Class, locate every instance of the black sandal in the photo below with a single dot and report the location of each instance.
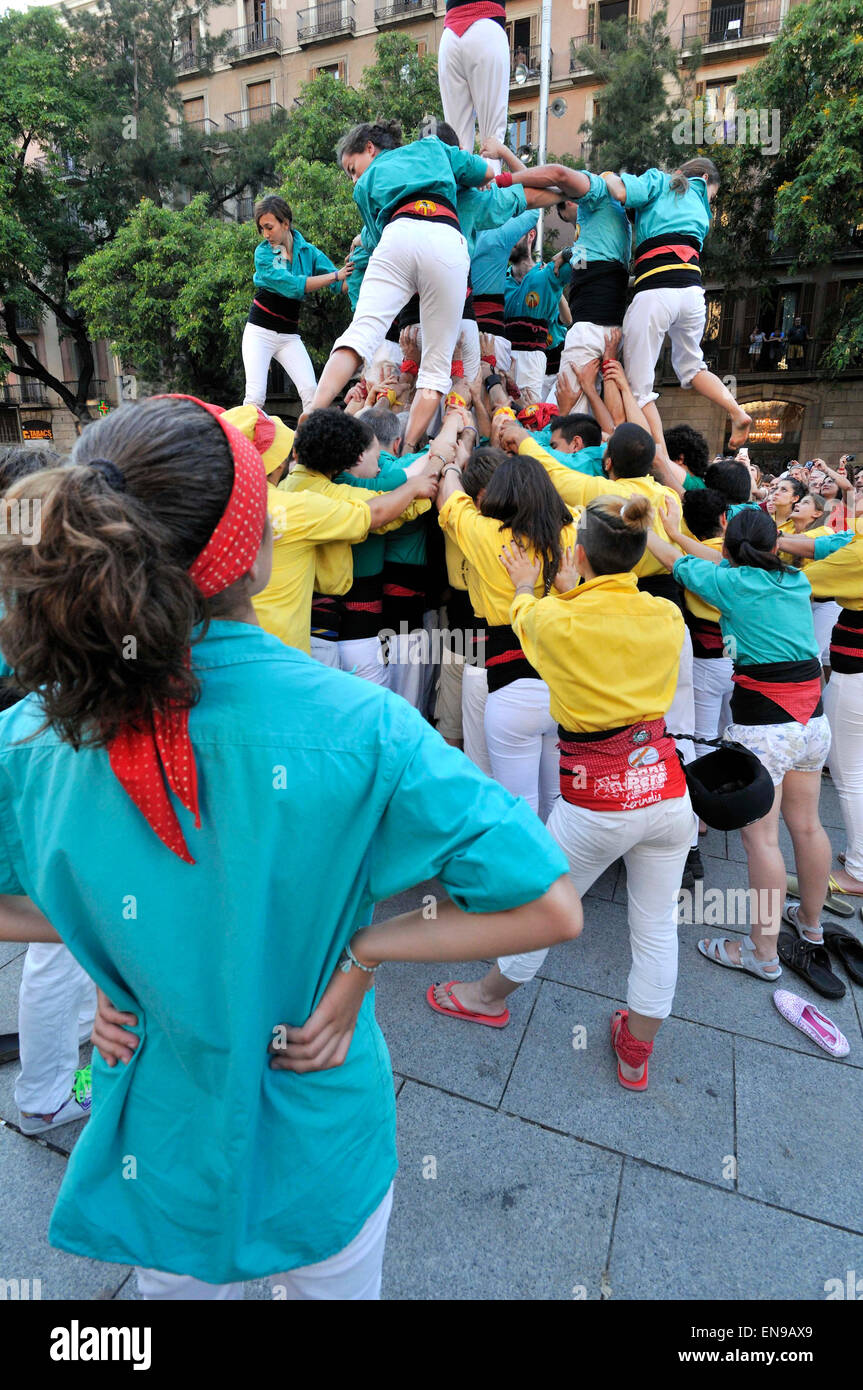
(8, 1047)
(810, 960)
(848, 948)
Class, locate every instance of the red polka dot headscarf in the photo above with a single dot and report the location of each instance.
(146, 759)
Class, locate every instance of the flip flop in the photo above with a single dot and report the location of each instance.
(617, 1020)
(832, 903)
(812, 963)
(848, 948)
(489, 1020)
(817, 1026)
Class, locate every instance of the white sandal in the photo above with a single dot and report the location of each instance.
(715, 951)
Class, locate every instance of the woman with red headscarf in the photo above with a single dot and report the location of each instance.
(171, 790)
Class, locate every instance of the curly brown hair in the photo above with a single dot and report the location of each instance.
(98, 615)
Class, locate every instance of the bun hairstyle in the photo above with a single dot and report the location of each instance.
(520, 495)
(613, 532)
(698, 168)
(98, 614)
(276, 207)
(750, 539)
(384, 135)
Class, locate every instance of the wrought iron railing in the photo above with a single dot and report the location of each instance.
(325, 20)
(264, 36)
(251, 115)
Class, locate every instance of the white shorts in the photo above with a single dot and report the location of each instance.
(785, 748)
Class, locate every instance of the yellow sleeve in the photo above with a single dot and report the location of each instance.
(334, 568)
(416, 508)
(523, 619)
(478, 537)
(316, 519)
(840, 576)
(576, 489)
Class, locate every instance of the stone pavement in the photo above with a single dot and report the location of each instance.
(528, 1173)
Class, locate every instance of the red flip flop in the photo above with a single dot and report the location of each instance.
(617, 1019)
(490, 1020)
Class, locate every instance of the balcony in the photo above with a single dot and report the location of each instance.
(727, 24)
(252, 115)
(777, 363)
(396, 10)
(245, 209)
(524, 66)
(96, 391)
(25, 392)
(325, 21)
(252, 40)
(202, 127)
(188, 59)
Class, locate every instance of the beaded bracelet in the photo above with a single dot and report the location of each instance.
(352, 960)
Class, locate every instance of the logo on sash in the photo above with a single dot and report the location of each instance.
(424, 208)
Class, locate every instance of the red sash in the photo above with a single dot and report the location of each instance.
(636, 766)
(797, 698)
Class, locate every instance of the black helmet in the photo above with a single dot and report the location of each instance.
(729, 788)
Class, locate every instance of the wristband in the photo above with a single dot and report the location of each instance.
(392, 398)
(409, 367)
(350, 959)
(503, 180)
(457, 368)
(491, 360)
(493, 379)
(504, 410)
(450, 468)
(454, 399)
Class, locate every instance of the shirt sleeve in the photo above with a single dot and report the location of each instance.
(469, 170)
(702, 577)
(642, 189)
(692, 484)
(270, 275)
(576, 489)
(322, 265)
(495, 206)
(596, 194)
(839, 576)
(445, 819)
(826, 545)
(327, 519)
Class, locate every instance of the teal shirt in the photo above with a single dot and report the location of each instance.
(693, 484)
(537, 296)
(587, 460)
(741, 507)
(825, 545)
(659, 211)
(427, 167)
(368, 555)
(485, 209)
(764, 616)
(273, 272)
(307, 822)
(605, 232)
(490, 256)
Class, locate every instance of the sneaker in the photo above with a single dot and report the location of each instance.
(694, 863)
(77, 1107)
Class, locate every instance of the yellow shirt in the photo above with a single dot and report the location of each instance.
(804, 561)
(304, 525)
(608, 653)
(695, 605)
(303, 480)
(840, 576)
(481, 539)
(577, 489)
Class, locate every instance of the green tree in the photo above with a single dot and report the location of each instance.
(805, 198)
(644, 78)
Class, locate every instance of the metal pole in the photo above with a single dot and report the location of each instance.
(544, 84)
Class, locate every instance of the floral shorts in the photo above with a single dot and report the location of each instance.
(785, 748)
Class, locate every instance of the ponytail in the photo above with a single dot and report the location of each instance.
(99, 612)
(698, 168)
(750, 539)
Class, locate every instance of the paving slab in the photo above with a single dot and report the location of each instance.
(10, 983)
(684, 1121)
(752, 1252)
(798, 1133)
(8, 951)
(513, 1212)
(464, 1058)
(30, 1176)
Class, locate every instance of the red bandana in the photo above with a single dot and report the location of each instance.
(145, 759)
(536, 417)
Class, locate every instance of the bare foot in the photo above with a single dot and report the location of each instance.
(740, 433)
(472, 996)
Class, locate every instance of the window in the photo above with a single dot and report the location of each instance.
(719, 99)
(338, 70)
(520, 129)
(193, 110)
(422, 47)
(258, 98)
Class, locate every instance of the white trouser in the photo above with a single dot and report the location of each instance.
(474, 697)
(653, 841)
(681, 712)
(653, 313)
(522, 743)
(260, 346)
(351, 1275)
(584, 342)
(56, 1008)
(473, 72)
(411, 662)
(503, 355)
(712, 688)
(470, 351)
(414, 257)
(824, 616)
(327, 653)
(529, 371)
(389, 354)
(365, 657)
(843, 705)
